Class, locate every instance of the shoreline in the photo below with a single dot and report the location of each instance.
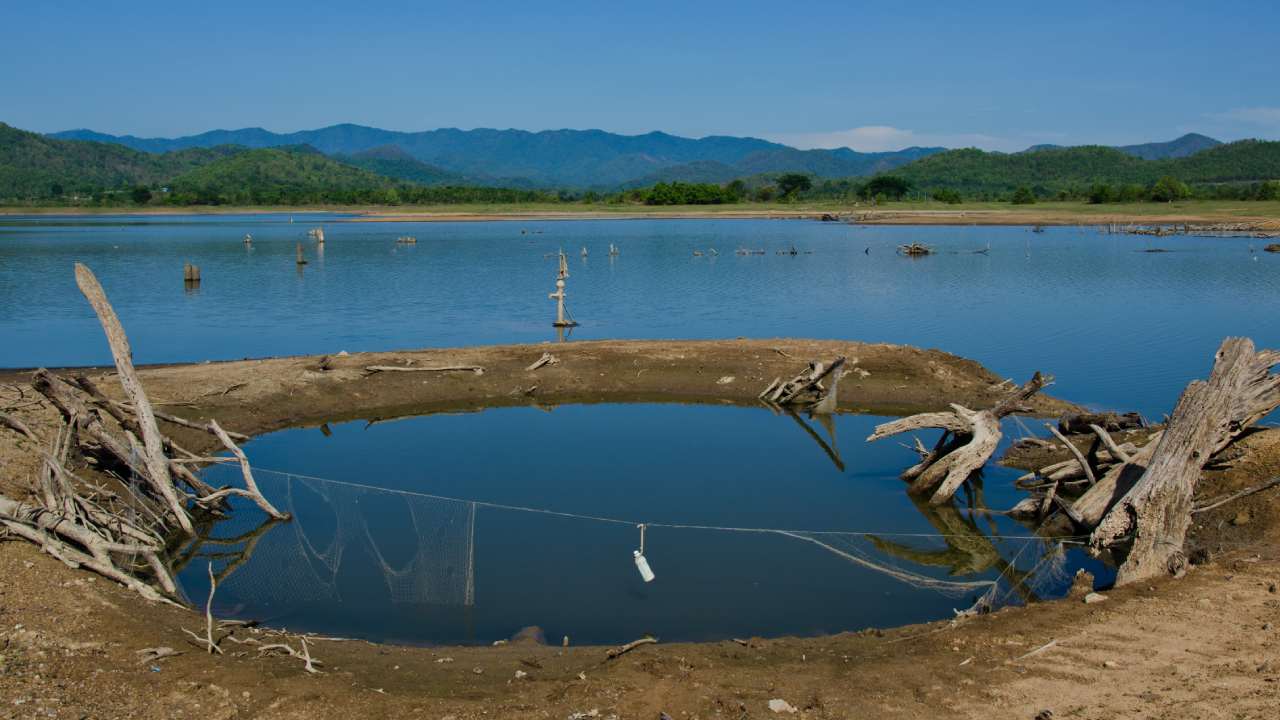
(82, 646)
(1262, 216)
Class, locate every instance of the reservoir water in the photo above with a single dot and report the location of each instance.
(1118, 327)
(465, 528)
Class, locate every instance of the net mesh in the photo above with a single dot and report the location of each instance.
(332, 525)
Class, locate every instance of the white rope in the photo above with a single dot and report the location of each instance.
(633, 523)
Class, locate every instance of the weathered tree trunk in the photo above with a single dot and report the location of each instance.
(153, 443)
(971, 437)
(1149, 523)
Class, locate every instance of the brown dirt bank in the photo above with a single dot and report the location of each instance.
(1203, 646)
(255, 396)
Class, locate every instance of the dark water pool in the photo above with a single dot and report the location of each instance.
(541, 529)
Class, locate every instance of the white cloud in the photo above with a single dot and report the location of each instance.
(1267, 117)
(881, 138)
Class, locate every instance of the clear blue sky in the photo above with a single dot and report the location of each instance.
(870, 75)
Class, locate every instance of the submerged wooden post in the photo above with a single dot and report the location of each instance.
(191, 274)
(559, 294)
(302, 260)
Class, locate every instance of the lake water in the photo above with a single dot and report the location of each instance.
(1118, 327)
(464, 528)
(539, 528)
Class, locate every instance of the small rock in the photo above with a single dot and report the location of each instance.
(1266, 626)
(1081, 584)
(1242, 518)
(520, 674)
(28, 564)
(1271, 588)
(531, 634)
(343, 353)
(444, 660)
(1204, 602)
(778, 705)
(478, 670)
(725, 380)
(1110, 664)
(593, 712)
(1045, 714)
(1094, 597)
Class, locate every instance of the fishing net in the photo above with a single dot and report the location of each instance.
(427, 559)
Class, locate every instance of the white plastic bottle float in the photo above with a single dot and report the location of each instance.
(646, 573)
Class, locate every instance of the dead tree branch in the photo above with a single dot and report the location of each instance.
(969, 438)
(1149, 523)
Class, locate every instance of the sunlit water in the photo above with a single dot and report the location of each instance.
(1118, 327)
(413, 566)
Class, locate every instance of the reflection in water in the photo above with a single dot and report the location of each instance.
(767, 549)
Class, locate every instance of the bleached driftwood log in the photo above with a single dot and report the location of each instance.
(120, 532)
(969, 438)
(153, 445)
(807, 388)
(1148, 525)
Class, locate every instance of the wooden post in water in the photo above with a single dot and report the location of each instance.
(190, 274)
(558, 295)
(302, 260)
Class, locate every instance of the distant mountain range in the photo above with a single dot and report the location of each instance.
(552, 158)
(1185, 146)
(974, 171)
(571, 158)
(349, 163)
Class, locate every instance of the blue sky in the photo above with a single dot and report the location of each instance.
(872, 76)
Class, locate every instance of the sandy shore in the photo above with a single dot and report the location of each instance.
(1202, 646)
(1264, 217)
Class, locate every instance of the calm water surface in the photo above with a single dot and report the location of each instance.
(432, 529)
(1118, 327)
(405, 566)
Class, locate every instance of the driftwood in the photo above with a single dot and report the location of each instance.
(969, 438)
(153, 445)
(1236, 496)
(807, 388)
(546, 359)
(409, 368)
(624, 649)
(1080, 423)
(208, 641)
(251, 486)
(125, 537)
(1148, 525)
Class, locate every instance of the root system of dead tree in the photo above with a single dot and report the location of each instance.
(969, 437)
(143, 494)
(1136, 503)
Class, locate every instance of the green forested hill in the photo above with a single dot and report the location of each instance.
(278, 176)
(976, 171)
(393, 161)
(36, 167)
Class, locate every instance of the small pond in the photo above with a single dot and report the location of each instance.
(465, 528)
